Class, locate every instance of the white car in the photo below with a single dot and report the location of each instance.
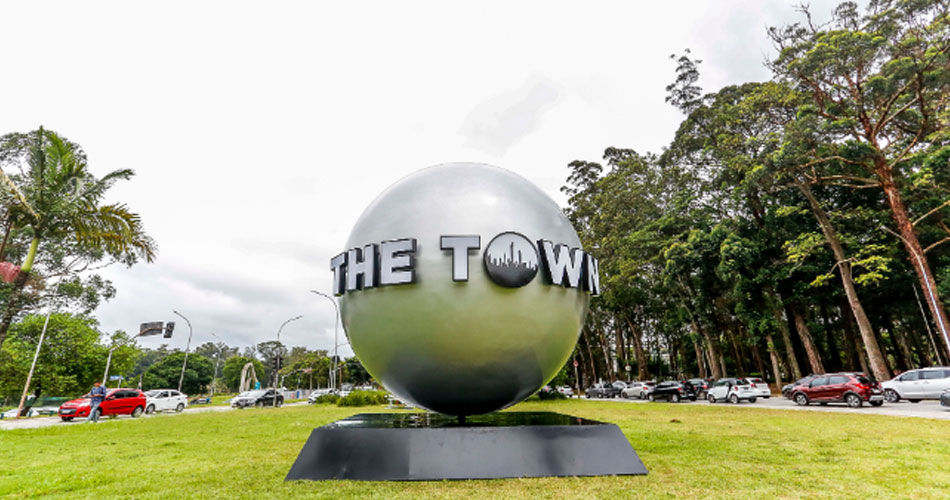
(760, 388)
(914, 385)
(565, 390)
(639, 390)
(732, 390)
(164, 400)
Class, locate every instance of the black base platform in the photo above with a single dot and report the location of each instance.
(430, 446)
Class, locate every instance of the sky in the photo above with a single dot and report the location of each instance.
(259, 131)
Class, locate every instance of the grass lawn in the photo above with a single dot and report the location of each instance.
(691, 451)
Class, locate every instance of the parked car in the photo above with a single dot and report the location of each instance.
(700, 385)
(732, 390)
(316, 393)
(258, 398)
(673, 391)
(760, 387)
(789, 389)
(914, 385)
(601, 391)
(945, 399)
(565, 390)
(619, 385)
(116, 402)
(637, 390)
(850, 388)
(164, 400)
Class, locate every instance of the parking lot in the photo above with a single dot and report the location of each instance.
(39, 422)
(923, 409)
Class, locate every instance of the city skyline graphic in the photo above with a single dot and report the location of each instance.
(511, 260)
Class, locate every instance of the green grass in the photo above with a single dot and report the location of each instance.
(691, 451)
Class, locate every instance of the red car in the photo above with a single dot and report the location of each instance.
(852, 388)
(117, 402)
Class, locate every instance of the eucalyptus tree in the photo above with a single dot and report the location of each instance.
(58, 214)
(878, 92)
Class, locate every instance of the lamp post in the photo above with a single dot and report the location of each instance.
(336, 335)
(105, 374)
(187, 346)
(933, 299)
(277, 364)
(216, 362)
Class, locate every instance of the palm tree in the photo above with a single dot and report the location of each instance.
(57, 198)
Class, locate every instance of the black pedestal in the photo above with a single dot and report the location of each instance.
(430, 446)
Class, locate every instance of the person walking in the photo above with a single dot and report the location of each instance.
(96, 395)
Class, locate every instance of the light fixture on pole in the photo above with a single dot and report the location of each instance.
(336, 335)
(933, 299)
(277, 361)
(187, 346)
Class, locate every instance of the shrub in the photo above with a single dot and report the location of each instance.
(549, 395)
(363, 398)
(327, 399)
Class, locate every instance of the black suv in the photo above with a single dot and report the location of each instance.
(601, 391)
(673, 391)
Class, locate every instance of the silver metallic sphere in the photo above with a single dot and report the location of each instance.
(463, 347)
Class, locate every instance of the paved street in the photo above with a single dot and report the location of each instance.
(38, 422)
(924, 409)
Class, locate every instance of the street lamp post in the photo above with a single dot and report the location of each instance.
(277, 364)
(336, 335)
(933, 299)
(187, 346)
(216, 362)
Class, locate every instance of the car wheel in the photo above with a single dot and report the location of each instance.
(67, 419)
(259, 404)
(623, 395)
(651, 398)
(675, 398)
(892, 396)
(853, 400)
(734, 399)
(752, 400)
(137, 412)
(876, 403)
(150, 409)
(711, 399)
(180, 407)
(914, 400)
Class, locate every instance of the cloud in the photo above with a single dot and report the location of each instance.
(496, 124)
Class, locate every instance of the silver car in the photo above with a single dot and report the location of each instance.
(639, 390)
(915, 385)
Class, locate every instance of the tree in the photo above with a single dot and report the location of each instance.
(231, 373)
(878, 88)
(166, 373)
(57, 198)
(70, 360)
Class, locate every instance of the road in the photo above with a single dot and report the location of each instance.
(39, 422)
(924, 409)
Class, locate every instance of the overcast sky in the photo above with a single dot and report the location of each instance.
(259, 131)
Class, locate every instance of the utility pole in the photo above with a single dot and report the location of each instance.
(187, 346)
(216, 361)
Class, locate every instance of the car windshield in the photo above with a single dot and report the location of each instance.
(863, 380)
(152, 393)
(251, 394)
(756, 381)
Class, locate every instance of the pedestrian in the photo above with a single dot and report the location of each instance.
(96, 395)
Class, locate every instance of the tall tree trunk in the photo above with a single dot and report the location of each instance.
(814, 358)
(908, 236)
(774, 357)
(605, 346)
(636, 334)
(834, 352)
(873, 349)
(700, 361)
(782, 324)
(758, 361)
(711, 349)
(903, 346)
(618, 345)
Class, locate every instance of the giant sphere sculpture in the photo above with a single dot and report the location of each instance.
(463, 346)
